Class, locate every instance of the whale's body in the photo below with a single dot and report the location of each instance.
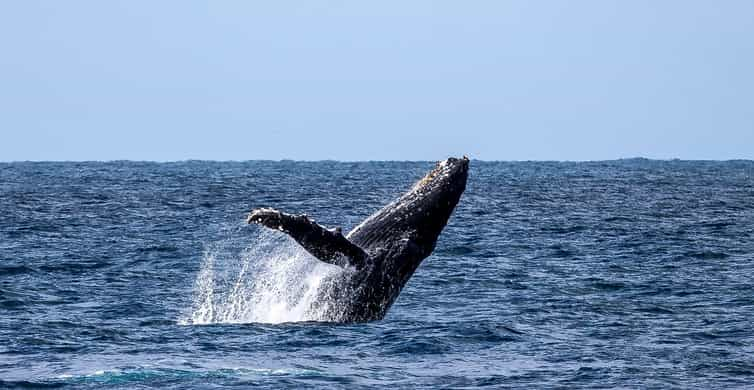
(381, 253)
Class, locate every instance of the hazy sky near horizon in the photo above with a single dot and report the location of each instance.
(387, 80)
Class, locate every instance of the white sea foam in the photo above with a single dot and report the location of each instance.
(270, 280)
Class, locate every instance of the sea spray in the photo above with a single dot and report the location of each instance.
(258, 275)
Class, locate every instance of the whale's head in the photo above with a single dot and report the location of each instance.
(431, 201)
(418, 217)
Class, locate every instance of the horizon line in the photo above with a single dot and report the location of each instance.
(370, 161)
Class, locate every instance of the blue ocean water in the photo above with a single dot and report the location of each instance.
(631, 273)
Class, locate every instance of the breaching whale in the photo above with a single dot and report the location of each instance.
(380, 254)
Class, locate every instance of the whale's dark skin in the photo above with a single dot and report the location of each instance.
(381, 254)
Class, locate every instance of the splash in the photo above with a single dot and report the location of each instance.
(271, 280)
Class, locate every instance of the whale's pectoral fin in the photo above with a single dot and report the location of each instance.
(327, 245)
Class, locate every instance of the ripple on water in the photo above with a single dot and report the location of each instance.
(618, 274)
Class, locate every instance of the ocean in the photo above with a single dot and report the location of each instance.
(618, 274)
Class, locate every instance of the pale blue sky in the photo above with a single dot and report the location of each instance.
(384, 80)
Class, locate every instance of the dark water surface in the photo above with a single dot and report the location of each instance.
(631, 273)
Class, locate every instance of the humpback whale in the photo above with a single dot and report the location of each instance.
(379, 255)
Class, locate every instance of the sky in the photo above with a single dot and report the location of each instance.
(380, 80)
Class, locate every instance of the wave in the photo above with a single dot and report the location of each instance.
(156, 375)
